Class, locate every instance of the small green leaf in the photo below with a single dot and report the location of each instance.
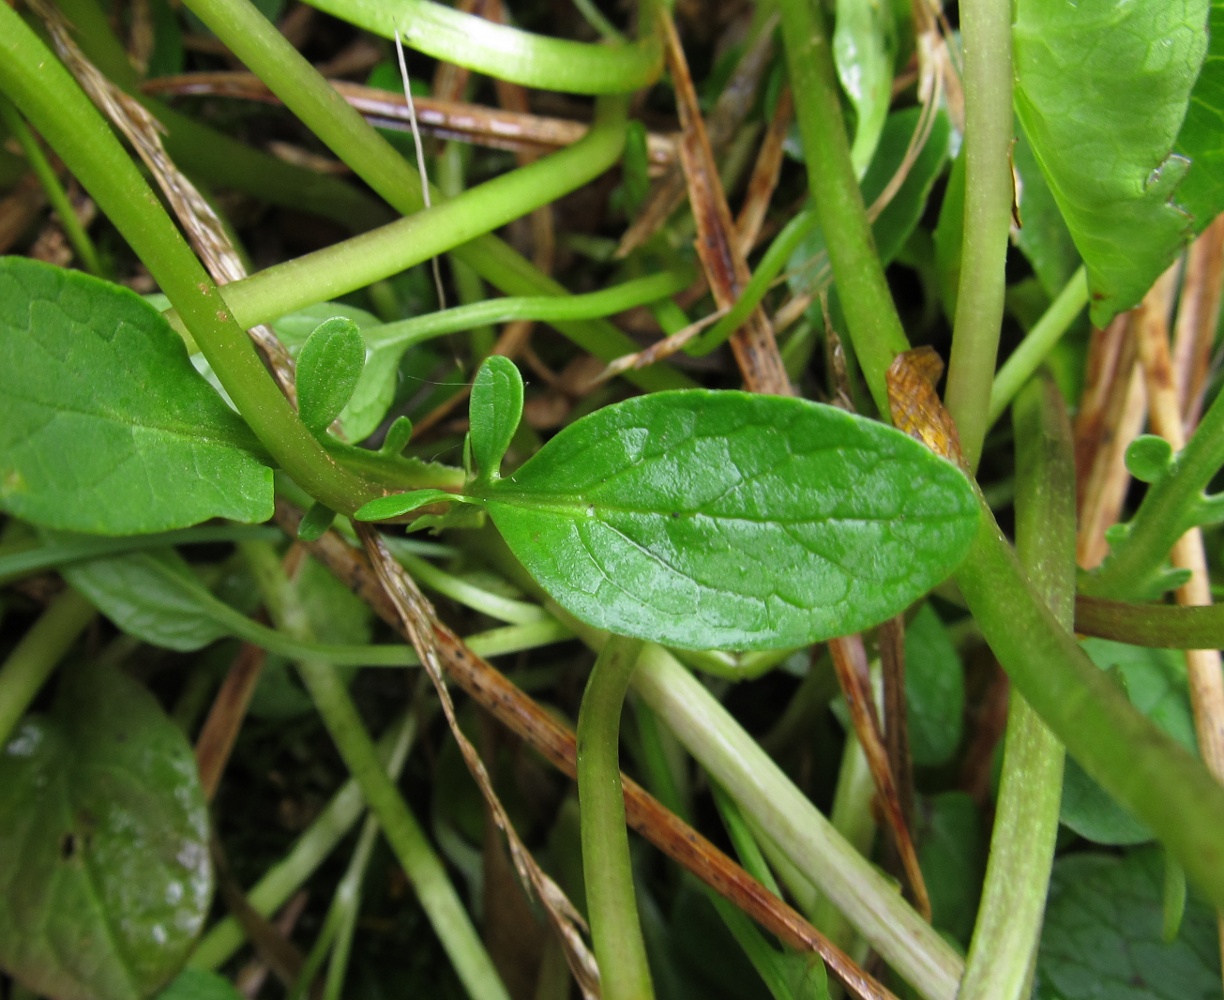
(400, 503)
(731, 520)
(328, 368)
(934, 689)
(1149, 457)
(1101, 91)
(1101, 937)
(153, 596)
(1155, 683)
(496, 408)
(315, 523)
(106, 879)
(107, 427)
(864, 44)
(397, 437)
(375, 389)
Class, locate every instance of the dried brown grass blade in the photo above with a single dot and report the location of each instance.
(493, 128)
(220, 730)
(418, 621)
(753, 344)
(854, 675)
(729, 113)
(1110, 416)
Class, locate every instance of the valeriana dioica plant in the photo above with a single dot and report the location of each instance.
(668, 520)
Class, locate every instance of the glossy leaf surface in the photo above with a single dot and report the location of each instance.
(328, 368)
(107, 427)
(730, 520)
(1101, 91)
(864, 43)
(104, 834)
(1202, 192)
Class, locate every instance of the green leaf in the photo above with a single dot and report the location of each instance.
(1155, 682)
(1043, 237)
(864, 43)
(153, 596)
(108, 429)
(375, 389)
(496, 408)
(1102, 935)
(328, 368)
(731, 520)
(1202, 192)
(199, 984)
(952, 853)
(1101, 90)
(400, 503)
(104, 834)
(934, 690)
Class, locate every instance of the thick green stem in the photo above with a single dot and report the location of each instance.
(1155, 777)
(986, 40)
(51, 100)
(33, 659)
(616, 930)
(504, 52)
(412, 849)
(871, 317)
(1004, 946)
(1046, 332)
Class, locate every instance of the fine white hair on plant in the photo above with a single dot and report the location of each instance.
(420, 154)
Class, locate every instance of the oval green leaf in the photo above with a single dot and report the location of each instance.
(400, 503)
(730, 520)
(106, 878)
(107, 428)
(327, 371)
(496, 408)
(1102, 89)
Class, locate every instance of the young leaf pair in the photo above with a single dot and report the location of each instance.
(705, 519)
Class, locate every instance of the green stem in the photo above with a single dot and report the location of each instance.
(986, 40)
(506, 53)
(1046, 332)
(1156, 778)
(769, 798)
(51, 100)
(871, 317)
(412, 849)
(1003, 950)
(27, 667)
(1163, 626)
(58, 199)
(549, 309)
(1168, 511)
(616, 931)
